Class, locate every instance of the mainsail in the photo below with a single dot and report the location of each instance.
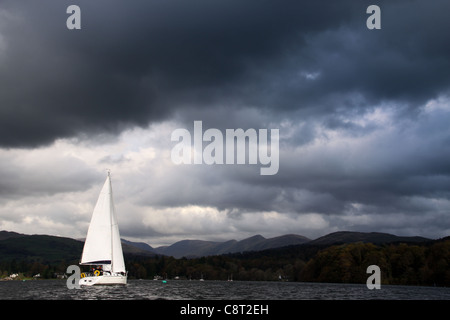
(102, 245)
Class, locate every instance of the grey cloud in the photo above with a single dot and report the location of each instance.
(132, 64)
(25, 176)
(307, 67)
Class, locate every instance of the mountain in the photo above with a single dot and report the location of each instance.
(285, 240)
(341, 237)
(9, 234)
(139, 248)
(198, 248)
(190, 248)
(53, 249)
(39, 248)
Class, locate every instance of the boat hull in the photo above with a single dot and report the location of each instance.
(104, 280)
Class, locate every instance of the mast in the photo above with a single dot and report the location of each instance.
(111, 218)
(117, 261)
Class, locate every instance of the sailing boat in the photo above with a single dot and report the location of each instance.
(102, 248)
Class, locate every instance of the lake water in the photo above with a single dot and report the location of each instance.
(215, 290)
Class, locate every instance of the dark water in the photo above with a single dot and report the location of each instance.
(215, 290)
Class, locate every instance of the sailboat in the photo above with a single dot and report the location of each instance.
(102, 248)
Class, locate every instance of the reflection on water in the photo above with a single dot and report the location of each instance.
(215, 290)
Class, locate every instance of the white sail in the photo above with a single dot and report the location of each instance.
(118, 264)
(102, 245)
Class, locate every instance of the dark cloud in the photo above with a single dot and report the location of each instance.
(132, 64)
(310, 68)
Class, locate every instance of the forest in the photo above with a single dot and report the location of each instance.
(400, 263)
(406, 264)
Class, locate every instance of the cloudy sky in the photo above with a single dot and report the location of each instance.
(363, 116)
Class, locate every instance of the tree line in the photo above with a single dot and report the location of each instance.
(400, 263)
(406, 264)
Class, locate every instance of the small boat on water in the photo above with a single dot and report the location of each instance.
(102, 248)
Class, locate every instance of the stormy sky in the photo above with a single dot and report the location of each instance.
(363, 116)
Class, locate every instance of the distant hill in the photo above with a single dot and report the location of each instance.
(198, 248)
(8, 234)
(373, 237)
(137, 248)
(293, 257)
(40, 248)
(53, 249)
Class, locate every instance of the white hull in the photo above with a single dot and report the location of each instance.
(104, 280)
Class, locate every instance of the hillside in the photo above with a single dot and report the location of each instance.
(199, 248)
(8, 234)
(404, 260)
(47, 255)
(139, 248)
(406, 263)
(53, 249)
(40, 248)
(341, 237)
